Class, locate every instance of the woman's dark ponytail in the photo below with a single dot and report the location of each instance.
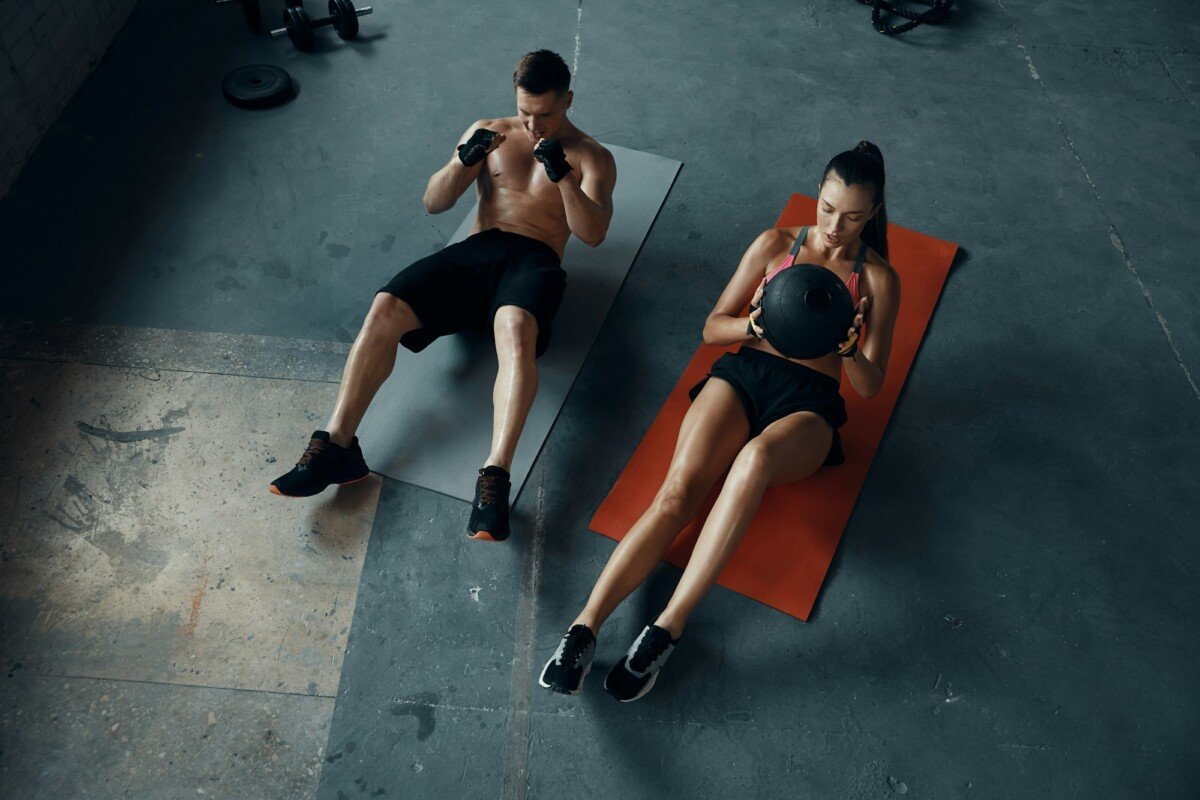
(863, 166)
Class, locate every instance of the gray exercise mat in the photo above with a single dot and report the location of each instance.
(431, 423)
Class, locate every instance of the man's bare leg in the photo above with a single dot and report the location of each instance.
(370, 363)
(515, 331)
(516, 381)
(332, 455)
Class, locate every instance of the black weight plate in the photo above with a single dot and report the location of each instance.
(258, 86)
(299, 27)
(345, 18)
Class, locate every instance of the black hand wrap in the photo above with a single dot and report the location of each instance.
(550, 153)
(474, 149)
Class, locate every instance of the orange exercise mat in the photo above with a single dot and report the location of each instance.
(787, 551)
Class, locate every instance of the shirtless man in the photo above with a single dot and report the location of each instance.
(539, 179)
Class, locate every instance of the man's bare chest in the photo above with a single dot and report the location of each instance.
(512, 166)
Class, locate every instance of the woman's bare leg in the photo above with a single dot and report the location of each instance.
(712, 432)
(789, 449)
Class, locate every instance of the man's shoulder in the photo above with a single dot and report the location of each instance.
(591, 145)
(498, 124)
(595, 152)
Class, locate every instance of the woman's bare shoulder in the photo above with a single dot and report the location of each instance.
(878, 269)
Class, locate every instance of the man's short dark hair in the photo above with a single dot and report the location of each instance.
(542, 71)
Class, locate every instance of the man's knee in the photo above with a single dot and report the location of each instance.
(515, 330)
(390, 316)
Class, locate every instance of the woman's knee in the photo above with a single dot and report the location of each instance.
(753, 463)
(680, 497)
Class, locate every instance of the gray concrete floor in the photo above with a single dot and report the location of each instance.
(1009, 613)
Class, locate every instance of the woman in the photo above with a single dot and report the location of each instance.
(766, 418)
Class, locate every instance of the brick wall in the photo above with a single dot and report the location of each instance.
(47, 49)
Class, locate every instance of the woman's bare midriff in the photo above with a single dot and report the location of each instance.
(830, 365)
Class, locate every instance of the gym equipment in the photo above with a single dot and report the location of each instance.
(806, 311)
(939, 12)
(428, 421)
(790, 543)
(300, 28)
(251, 10)
(258, 86)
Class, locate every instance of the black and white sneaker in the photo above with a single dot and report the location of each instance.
(635, 674)
(571, 662)
(489, 511)
(324, 462)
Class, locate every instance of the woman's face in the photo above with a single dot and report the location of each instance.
(842, 211)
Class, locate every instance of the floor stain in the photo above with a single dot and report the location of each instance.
(125, 437)
(188, 628)
(419, 705)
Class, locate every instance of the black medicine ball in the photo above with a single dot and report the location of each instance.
(806, 310)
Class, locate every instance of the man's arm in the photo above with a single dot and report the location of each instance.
(588, 203)
(448, 183)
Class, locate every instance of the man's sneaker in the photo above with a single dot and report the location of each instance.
(323, 463)
(489, 512)
(571, 662)
(634, 675)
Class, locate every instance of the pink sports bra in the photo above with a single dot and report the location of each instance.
(851, 284)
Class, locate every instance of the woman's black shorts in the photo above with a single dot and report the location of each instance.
(771, 387)
(462, 286)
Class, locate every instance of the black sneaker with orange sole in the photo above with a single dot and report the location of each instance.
(489, 512)
(323, 463)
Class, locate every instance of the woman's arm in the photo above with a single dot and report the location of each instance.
(868, 366)
(724, 324)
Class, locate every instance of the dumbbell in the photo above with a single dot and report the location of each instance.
(252, 12)
(298, 27)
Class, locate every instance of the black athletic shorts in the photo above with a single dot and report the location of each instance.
(771, 387)
(462, 286)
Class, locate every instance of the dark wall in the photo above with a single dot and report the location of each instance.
(47, 49)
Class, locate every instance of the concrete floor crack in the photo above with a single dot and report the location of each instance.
(1114, 235)
(174, 685)
(520, 718)
(1175, 82)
